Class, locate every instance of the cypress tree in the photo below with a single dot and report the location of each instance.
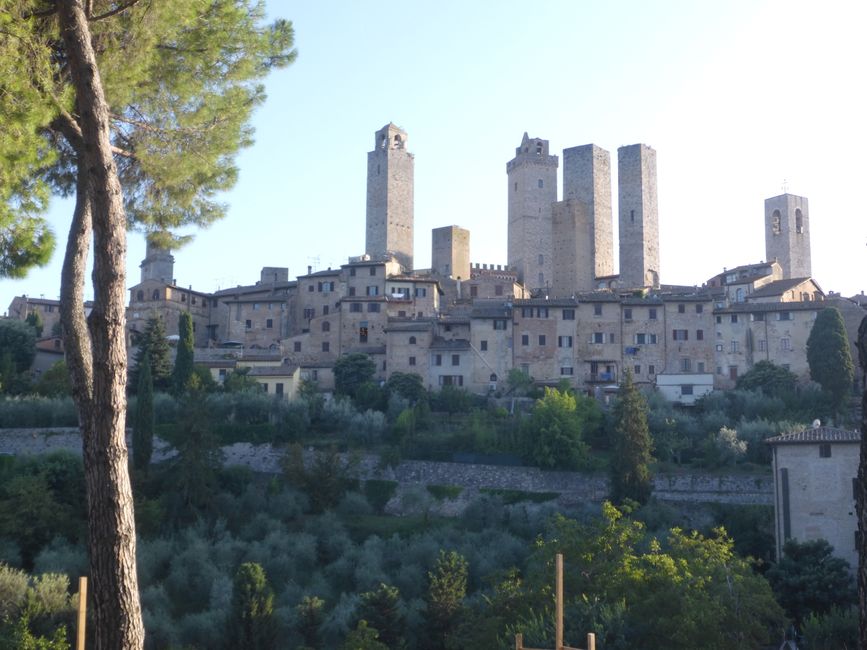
(829, 357)
(154, 345)
(183, 369)
(251, 624)
(143, 429)
(630, 474)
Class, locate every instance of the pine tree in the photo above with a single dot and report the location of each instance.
(446, 592)
(630, 458)
(251, 623)
(829, 356)
(137, 110)
(154, 345)
(143, 429)
(381, 609)
(183, 369)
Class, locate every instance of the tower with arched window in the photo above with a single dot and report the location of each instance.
(390, 197)
(787, 234)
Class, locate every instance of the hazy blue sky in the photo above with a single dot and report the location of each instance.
(735, 96)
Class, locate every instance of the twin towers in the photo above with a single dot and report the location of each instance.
(561, 247)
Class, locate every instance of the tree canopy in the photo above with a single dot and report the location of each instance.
(829, 356)
(351, 371)
(768, 377)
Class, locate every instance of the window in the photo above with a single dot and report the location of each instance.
(686, 389)
(564, 341)
(269, 323)
(372, 270)
(456, 359)
(248, 324)
(499, 324)
(681, 308)
(627, 313)
(309, 313)
(412, 340)
(597, 309)
(685, 365)
(264, 388)
(326, 346)
(699, 308)
(699, 335)
(700, 367)
(758, 317)
(734, 318)
(483, 345)
(651, 313)
(310, 288)
(325, 310)
(474, 291)
(498, 290)
(645, 339)
(719, 319)
(785, 344)
(825, 450)
(763, 345)
(568, 314)
(680, 335)
(223, 373)
(784, 315)
(351, 291)
(278, 388)
(412, 361)
(734, 347)
(636, 369)
(420, 292)
(541, 185)
(352, 272)
(597, 337)
(438, 360)
(567, 370)
(719, 347)
(326, 326)
(296, 346)
(355, 307)
(373, 307)
(651, 369)
(541, 259)
(401, 314)
(542, 340)
(372, 290)
(140, 295)
(155, 295)
(362, 332)
(525, 339)
(451, 380)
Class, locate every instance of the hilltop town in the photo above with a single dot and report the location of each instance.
(557, 310)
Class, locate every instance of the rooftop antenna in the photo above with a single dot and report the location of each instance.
(314, 262)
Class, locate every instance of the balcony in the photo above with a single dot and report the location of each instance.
(602, 378)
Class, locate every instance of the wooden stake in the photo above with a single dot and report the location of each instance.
(558, 634)
(591, 641)
(519, 641)
(82, 611)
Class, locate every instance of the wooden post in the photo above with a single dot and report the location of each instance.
(591, 641)
(519, 641)
(82, 612)
(558, 633)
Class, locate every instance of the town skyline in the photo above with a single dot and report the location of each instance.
(732, 108)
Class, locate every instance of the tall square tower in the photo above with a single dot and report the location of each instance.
(450, 252)
(532, 190)
(390, 197)
(639, 216)
(787, 234)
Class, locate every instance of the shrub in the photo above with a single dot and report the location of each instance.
(28, 412)
(836, 630)
(379, 493)
(445, 492)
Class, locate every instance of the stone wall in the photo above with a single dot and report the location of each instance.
(573, 487)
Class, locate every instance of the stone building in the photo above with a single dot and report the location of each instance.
(639, 216)
(814, 484)
(787, 234)
(450, 252)
(583, 239)
(49, 310)
(532, 190)
(390, 197)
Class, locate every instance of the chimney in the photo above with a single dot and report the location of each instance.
(309, 269)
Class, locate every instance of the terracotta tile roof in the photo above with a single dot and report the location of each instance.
(816, 434)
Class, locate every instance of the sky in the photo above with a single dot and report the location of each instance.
(742, 100)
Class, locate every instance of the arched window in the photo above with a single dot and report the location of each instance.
(326, 326)
(412, 340)
(776, 226)
(799, 221)
(739, 295)
(155, 295)
(140, 295)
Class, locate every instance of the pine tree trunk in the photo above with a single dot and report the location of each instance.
(96, 350)
(861, 492)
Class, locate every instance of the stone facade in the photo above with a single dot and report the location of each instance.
(814, 476)
(532, 190)
(390, 197)
(787, 234)
(450, 252)
(639, 216)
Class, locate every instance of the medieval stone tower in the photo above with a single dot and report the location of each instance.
(158, 264)
(450, 252)
(390, 196)
(583, 238)
(787, 234)
(532, 175)
(639, 216)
